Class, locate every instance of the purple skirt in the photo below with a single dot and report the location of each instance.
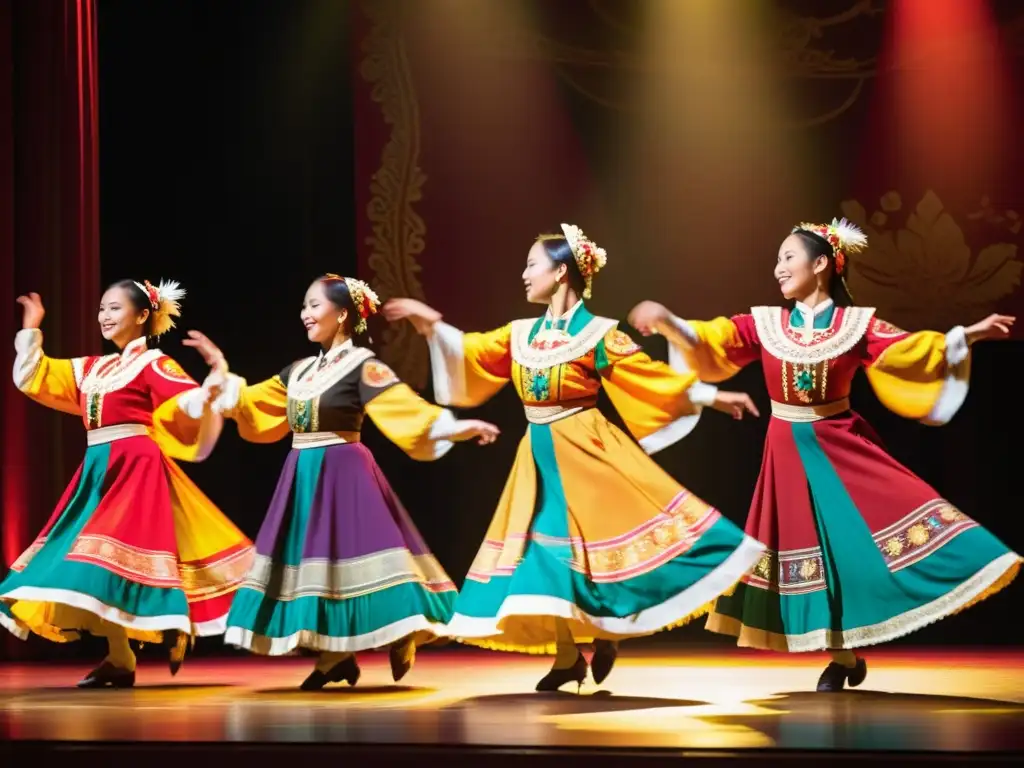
(339, 564)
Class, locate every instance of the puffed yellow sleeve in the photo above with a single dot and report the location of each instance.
(715, 350)
(659, 405)
(469, 368)
(923, 376)
(421, 429)
(178, 410)
(259, 410)
(46, 380)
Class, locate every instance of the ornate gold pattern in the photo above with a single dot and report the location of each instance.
(168, 368)
(580, 344)
(620, 344)
(796, 572)
(923, 274)
(920, 533)
(885, 330)
(205, 580)
(143, 566)
(398, 231)
(377, 374)
(670, 534)
(26, 557)
(345, 579)
(781, 342)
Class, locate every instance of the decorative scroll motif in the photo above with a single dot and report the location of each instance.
(921, 272)
(806, 50)
(398, 231)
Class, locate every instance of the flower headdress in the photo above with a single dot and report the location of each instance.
(364, 299)
(163, 304)
(589, 258)
(843, 236)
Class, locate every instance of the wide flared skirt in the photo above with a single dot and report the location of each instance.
(861, 550)
(134, 542)
(591, 531)
(340, 566)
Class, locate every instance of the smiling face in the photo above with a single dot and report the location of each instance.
(120, 321)
(542, 275)
(321, 317)
(796, 272)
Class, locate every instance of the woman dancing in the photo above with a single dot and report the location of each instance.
(591, 540)
(133, 549)
(861, 551)
(340, 567)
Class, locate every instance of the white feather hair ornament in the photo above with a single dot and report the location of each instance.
(843, 235)
(164, 304)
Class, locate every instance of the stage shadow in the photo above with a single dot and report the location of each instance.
(346, 691)
(546, 704)
(858, 720)
(885, 699)
(136, 689)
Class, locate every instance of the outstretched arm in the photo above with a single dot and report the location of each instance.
(424, 431)
(715, 350)
(48, 381)
(468, 368)
(926, 375)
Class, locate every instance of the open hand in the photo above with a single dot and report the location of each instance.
(416, 312)
(736, 404)
(992, 327)
(485, 432)
(209, 351)
(32, 311)
(647, 316)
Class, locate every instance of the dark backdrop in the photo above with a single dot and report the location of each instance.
(227, 163)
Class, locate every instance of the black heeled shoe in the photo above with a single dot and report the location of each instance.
(347, 669)
(176, 642)
(603, 660)
(556, 678)
(401, 659)
(107, 675)
(836, 676)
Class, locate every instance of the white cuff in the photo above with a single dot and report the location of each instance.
(957, 382)
(193, 402)
(28, 346)
(437, 441)
(445, 426)
(957, 348)
(447, 364)
(230, 394)
(702, 394)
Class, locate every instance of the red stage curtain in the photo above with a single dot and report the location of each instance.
(49, 225)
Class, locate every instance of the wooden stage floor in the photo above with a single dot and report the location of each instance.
(655, 704)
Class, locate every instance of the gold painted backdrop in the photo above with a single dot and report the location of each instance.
(479, 127)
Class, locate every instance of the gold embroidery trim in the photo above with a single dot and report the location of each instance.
(548, 414)
(345, 579)
(803, 414)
